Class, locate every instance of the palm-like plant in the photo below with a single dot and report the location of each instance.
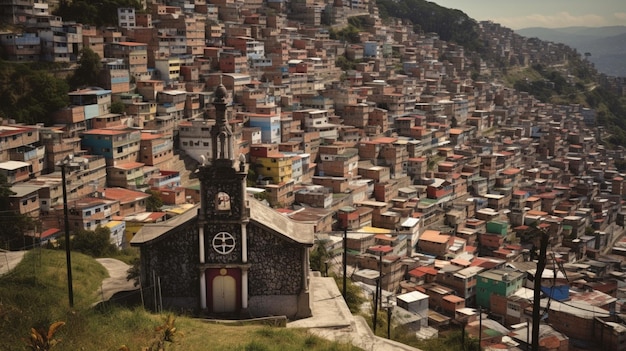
(167, 332)
(42, 340)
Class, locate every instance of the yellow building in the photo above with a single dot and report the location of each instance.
(136, 221)
(278, 167)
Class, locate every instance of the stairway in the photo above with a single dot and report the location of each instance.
(186, 165)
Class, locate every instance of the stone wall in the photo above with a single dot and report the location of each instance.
(279, 305)
(276, 264)
(174, 260)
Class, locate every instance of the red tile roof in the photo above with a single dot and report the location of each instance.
(511, 171)
(50, 232)
(124, 195)
(427, 269)
(129, 165)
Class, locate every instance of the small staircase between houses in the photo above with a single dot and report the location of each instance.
(186, 165)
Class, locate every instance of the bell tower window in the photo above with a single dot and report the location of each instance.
(222, 202)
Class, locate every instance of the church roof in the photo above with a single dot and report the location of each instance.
(152, 231)
(298, 232)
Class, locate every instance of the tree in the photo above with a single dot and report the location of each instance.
(5, 192)
(319, 257)
(134, 272)
(13, 224)
(96, 243)
(344, 63)
(453, 122)
(88, 71)
(451, 25)
(349, 33)
(30, 95)
(154, 202)
(117, 107)
(98, 13)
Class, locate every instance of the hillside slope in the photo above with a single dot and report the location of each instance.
(607, 45)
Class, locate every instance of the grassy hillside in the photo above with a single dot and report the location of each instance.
(35, 295)
(450, 24)
(605, 44)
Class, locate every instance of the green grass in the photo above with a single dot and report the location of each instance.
(520, 73)
(34, 294)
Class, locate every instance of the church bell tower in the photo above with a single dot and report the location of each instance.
(223, 219)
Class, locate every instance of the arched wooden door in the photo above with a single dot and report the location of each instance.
(224, 294)
(223, 290)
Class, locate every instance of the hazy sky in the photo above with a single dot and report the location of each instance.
(516, 14)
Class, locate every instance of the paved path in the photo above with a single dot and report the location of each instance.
(332, 320)
(9, 259)
(116, 282)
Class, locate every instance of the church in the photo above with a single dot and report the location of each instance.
(230, 256)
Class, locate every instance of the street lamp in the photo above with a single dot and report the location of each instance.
(63, 163)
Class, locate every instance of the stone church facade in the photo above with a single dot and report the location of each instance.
(231, 255)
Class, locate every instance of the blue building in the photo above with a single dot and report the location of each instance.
(118, 146)
(270, 127)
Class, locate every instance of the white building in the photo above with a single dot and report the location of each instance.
(126, 17)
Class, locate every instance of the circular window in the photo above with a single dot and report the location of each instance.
(223, 243)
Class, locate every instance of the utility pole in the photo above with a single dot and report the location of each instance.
(380, 277)
(389, 312)
(480, 326)
(379, 289)
(344, 258)
(68, 255)
(541, 265)
(376, 306)
(346, 210)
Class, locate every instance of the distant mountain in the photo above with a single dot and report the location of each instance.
(607, 45)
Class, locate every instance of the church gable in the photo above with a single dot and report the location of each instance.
(276, 264)
(170, 250)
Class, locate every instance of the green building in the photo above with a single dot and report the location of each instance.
(497, 227)
(502, 282)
